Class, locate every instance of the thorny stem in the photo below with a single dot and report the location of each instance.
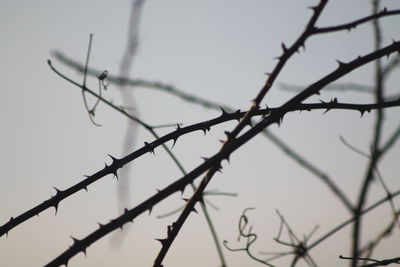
(231, 136)
(212, 163)
(348, 26)
(203, 126)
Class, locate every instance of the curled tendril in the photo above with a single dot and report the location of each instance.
(102, 78)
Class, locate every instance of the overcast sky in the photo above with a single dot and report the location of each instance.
(219, 50)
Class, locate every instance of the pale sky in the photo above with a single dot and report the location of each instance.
(218, 50)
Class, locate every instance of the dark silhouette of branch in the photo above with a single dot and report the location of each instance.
(203, 126)
(209, 104)
(275, 117)
(376, 262)
(231, 137)
(239, 136)
(348, 26)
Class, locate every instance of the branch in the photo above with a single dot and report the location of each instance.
(275, 117)
(203, 126)
(354, 24)
(376, 262)
(345, 223)
(213, 164)
(375, 143)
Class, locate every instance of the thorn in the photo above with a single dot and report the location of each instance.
(284, 48)
(228, 134)
(193, 210)
(206, 129)
(313, 8)
(237, 113)
(280, 120)
(75, 240)
(149, 147)
(362, 112)
(204, 158)
(150, 209)
(267, 111)
(219, 167)
(115, 164)
(326, 111)
(182, 189)
(227, 158)
(223, 112)
(55, 205)
(57, 190)
(174, 142)
(341, 64)
(162, 241)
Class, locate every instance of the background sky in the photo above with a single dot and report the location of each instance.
(218, 50)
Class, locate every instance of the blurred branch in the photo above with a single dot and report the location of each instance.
(149, 147)
(390, 66)
(340, 87)
(386, 232)
(216, 106)
(128, 100)
(376, 139)
(142, 83)
(347, 222)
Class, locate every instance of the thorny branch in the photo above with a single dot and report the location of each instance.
(233, 141)
(180, 184)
